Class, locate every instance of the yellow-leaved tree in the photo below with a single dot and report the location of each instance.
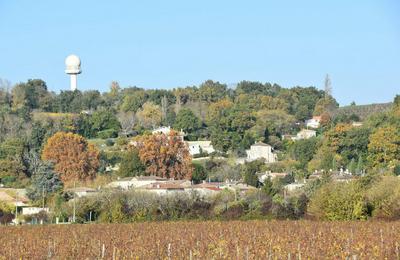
(384, 147)
(73, 157)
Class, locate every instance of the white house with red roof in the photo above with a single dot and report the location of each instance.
(314, 122)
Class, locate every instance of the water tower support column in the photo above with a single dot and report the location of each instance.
(74, 81)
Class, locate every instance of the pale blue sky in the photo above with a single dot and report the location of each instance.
(164, 44)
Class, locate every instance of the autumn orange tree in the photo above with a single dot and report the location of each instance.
(73, 156)
(165, 156)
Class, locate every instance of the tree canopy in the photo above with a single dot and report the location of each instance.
(73, 158)
(165, 156)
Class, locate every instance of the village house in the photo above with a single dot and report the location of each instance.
(260, 150)
(337, 176)
(304, 134)
(15, 197)
(314, 122)
(272, 175)
(164, 188)
(199, 147)
(33, 210)
(293, 186)
(166, 130)
(342, 176)
(135, 182)
(206, 188)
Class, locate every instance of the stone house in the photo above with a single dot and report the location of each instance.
(304, 134)
(260, 150)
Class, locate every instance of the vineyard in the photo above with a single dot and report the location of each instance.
(204, 240)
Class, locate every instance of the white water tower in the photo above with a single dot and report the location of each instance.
(73, 68)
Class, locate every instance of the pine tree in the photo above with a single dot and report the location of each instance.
(352, 166)
(268, 187)
(334, 164)
(178, 104)
(360, 165)
(164, 108)
(131, 164)
(45, 181)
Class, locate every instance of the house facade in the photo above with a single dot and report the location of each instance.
(314, 122)
(260, 150)
(272, 175)
(166, 130)
(33, 210)
(198, 147)
(15, 197)
(135, 182)
(304, 134)
(293, 186)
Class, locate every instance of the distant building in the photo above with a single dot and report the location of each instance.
(33, 210)
(166, 130)
(272, 175)
(342, 176)
(260, 150)
(293, 186)
(198, 147)
(135, 182)
(15, 197)
(313, 122)
(210, 188)
(206, 188)
(304, 134)
(162, 130)
(168, 187)
(357, 124)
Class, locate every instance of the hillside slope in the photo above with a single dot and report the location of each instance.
(363, 111)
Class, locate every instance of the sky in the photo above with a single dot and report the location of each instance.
(167, 44)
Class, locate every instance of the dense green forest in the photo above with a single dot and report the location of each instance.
(232, 119)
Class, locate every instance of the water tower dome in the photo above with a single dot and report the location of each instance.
(72, 64)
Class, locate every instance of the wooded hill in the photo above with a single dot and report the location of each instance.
(363, 111)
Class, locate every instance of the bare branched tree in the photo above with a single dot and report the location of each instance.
(127, 120)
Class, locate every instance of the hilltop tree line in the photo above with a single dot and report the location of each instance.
(206, 111)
